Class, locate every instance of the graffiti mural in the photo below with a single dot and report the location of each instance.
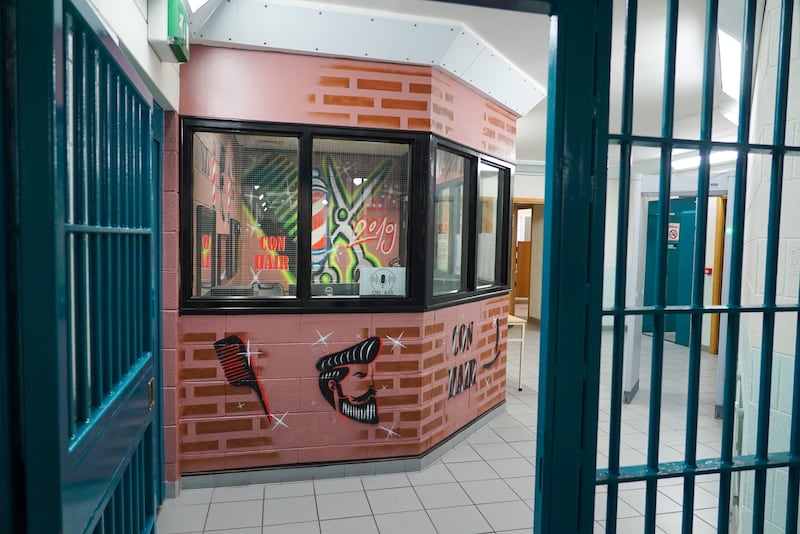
(464, 375)
(347, 381)
(234, 357)
(359, 231)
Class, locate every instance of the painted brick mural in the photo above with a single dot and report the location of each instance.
(271, 86)
(262, 391)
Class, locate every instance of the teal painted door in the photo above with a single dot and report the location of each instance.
(679, 251)
(109, 463)
(87, 269)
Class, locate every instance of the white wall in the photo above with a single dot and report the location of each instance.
(753, 274)
(127, 19)
(537, 248)
(528, 185)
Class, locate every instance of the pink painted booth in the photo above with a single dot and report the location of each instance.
(252, 390)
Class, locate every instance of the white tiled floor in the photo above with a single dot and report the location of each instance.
(483, 485)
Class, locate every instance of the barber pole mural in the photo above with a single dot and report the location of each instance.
(320, 245)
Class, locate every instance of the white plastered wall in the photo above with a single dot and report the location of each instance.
(127, 20)
(754, 268)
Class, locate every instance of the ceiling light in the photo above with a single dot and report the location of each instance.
(715, 158)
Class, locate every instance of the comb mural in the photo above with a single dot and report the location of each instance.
(234, 358)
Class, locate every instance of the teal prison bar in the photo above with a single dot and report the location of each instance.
(110, 290)
(758, 466)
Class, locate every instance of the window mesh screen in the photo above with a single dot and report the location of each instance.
(245, 216)
(359, 219)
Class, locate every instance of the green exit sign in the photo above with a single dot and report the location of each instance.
(168, 29)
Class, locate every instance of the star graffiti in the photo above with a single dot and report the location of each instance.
(253, 229)
(240, 406)
(323, 340)
(278, 420)
(396, 341)
(389, 432)
(255, 279)
(249, 353)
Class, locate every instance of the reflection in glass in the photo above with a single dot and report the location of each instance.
(488, 223)
(448, 220)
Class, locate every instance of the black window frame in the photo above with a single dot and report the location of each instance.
(420, 236)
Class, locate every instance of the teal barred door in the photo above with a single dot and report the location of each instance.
(593, 155)
(86, 270)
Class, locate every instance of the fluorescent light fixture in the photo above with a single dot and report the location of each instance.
(730, 57)
(692, 162)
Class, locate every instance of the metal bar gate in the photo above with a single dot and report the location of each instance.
(750, 461)
(86, 268)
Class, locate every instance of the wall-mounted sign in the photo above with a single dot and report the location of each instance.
(382, 281)
(168, 29)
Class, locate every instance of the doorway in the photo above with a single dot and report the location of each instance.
(526, 258)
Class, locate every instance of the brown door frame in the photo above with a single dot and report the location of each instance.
(518, 203)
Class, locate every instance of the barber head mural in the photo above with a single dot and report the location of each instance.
(346, 380)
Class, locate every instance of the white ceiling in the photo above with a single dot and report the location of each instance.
(522, 38)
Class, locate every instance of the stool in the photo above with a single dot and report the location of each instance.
(513, 320)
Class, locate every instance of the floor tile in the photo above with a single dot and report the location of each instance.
(507, 515)
(459, 520)
(487, 491)
(339, 505)
(495, 451)
(526, 449)
(238, 493)
(442, 495)
(288, 489)
(350, 525)
(386, 501)
(462, 453)
(434, 474)
(398, 480)
(195, 496)
(515, 433)
(174, 518)
(485, 435)
(248, 530)
(523, 486)
(512, 467)
(416, 522)
(289, 510)
(337, 485)
(464, 471)
(309, 527)
(672, 524)
(234, 515)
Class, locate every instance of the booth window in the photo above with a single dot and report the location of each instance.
(244, 193)
(359, 218)
(488, 224)
(448, 249)
(284, 218)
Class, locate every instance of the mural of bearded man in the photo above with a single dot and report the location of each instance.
(346, 380)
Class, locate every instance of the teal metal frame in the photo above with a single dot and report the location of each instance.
(40, 149)
(7, 399)
(85, 267)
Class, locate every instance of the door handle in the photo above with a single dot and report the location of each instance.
(151, 385)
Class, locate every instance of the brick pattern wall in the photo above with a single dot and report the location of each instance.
(223, 427)
(169, 279)
(270, 86)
